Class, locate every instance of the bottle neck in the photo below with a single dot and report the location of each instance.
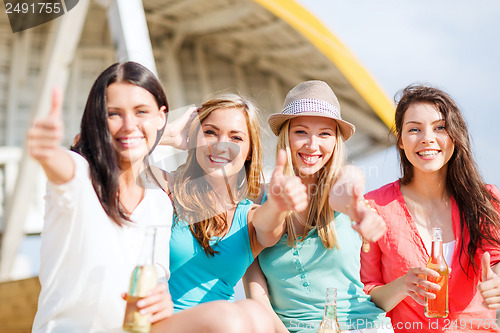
(148, 249)
(330, 311)
(437, 249)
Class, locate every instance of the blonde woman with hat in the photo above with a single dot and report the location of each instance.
(321, 246)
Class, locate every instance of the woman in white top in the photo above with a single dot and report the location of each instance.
(97, 206)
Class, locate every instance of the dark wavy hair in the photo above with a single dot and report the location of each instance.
(95, 142)
(478, 207)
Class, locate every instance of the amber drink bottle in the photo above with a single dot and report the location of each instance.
(329, 323)
(438, 307)
(143, 279)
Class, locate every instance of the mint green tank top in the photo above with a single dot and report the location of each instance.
(297, 278)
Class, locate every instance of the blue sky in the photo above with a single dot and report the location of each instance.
(450, 44)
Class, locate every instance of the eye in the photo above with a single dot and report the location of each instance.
(325, 134)
(112, 114)
(237, 138)
(209, 132)
(441, 128)
(300, 132)
(413, 130)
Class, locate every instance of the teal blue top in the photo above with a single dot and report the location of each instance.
(197, 278)
(297, 278)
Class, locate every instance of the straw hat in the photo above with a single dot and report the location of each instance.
(311, 98)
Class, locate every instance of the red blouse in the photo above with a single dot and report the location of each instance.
(402, 248)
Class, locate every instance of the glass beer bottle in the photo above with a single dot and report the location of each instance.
(143, 279)
(438, 307)
(329, 323)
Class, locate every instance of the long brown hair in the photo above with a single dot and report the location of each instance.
(95, 142)
(194, 199)
(319, 212)
(478, 207)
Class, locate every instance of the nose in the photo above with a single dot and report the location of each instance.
(428, 136)
(313, 142)
(130, 122)
(221, 145)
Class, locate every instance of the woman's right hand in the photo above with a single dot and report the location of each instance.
(46, 134)
(415, 283)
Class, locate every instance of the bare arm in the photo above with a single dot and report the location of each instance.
(44, 144)
(255, 285)
(284, 194)
(411, 284)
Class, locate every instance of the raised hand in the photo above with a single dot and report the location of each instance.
(176, 132)
(46, 134)
(287, 193)
(489, 287)
(368, 223)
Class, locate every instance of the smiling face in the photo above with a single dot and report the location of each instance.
(133, 120)
(223, 144)
(312, 143)
(424, 139)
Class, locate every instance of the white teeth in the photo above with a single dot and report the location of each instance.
(219, 160)
(129, 140)
(310, 158)
(428, 153)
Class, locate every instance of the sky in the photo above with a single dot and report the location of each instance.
(451, 44)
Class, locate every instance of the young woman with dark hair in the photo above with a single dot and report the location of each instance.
(97, 207)
(441, 187)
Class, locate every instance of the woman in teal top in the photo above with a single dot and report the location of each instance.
(197, 278)
(321, 246)
(216, 231)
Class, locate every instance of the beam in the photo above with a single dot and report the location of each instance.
(171, 69)
(129, 30)
(201, 65)
(172, 8)
(17, 76)
(59, 52)
(215, 20)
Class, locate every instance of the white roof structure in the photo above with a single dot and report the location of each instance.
(261, 48)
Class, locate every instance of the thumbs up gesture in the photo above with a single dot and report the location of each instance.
(287, 193)
(489, 287)
(46, 134)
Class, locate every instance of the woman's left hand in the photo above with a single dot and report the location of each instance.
(489, 287)
(367, 222)
(158, 303)
(176, 132)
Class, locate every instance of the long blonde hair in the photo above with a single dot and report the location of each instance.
(319, 212)
(194, 199)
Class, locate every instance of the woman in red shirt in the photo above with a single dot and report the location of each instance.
(440, 187)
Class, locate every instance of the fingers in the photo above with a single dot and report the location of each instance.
(487, 272)
(490, 285)
(158, 303)
(415, 284)
(288, 193)
(280, 163)
(46, 133)
(371, 225)
(56, 109)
